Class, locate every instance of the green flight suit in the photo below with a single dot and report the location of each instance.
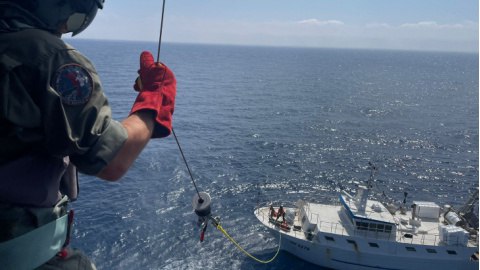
(35, 115)
(52, 104)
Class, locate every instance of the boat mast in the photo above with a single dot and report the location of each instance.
(467, 210)
(364, 191)
(373, 170)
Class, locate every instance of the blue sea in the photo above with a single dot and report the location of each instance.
(268, 124)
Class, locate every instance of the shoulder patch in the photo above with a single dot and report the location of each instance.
(74, 83)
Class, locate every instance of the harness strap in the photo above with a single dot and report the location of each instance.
(36, 247)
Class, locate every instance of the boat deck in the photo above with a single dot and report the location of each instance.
(263, 214)
(330, 219)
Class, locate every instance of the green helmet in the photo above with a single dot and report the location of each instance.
(49, 14)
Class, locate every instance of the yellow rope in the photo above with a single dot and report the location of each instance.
(220, 228)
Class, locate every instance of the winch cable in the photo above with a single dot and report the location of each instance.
(186, 164)
(173, 131)
(201, 202)
(221, 229)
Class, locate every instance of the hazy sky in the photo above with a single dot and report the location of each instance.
(446, 25)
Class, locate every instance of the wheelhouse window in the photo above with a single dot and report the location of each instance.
(363, 226)
(373, 227)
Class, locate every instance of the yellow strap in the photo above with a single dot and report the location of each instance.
(219, 227)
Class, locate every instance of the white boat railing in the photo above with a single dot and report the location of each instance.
(339, 229)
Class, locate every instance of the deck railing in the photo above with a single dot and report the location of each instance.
(340, 229)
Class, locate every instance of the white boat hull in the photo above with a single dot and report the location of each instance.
(358, 254)
(346, 258)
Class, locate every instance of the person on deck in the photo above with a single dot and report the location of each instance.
(281, 213)
(55, 120)
(272, 212)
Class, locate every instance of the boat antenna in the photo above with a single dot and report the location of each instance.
(372, 174)
(405, 194)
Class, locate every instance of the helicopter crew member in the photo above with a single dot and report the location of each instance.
(54, 120)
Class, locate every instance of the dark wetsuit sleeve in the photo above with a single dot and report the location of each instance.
(78, 122)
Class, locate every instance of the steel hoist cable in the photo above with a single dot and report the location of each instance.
(173, 131)
(201, 201)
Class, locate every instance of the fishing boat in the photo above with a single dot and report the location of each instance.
(359, 232)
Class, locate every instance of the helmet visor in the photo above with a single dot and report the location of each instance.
(85, 12)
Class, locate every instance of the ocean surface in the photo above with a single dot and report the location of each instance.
(259, 125)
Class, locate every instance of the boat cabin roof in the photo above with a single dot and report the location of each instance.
(374, 211)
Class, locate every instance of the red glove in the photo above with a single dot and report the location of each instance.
(157, 86)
